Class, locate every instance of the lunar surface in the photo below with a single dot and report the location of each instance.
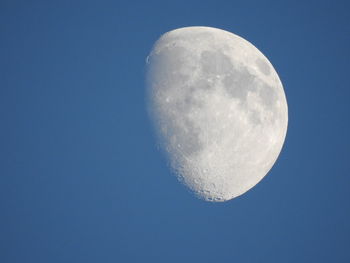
(218, 108)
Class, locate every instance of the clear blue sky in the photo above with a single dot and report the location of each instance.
(81, 179)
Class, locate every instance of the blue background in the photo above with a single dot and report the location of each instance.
(81, 179)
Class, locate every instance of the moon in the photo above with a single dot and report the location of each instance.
(218, 109)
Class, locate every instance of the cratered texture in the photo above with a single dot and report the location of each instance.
(218, 109)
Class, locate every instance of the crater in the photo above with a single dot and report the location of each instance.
(181, 134)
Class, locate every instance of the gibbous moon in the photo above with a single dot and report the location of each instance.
(218, 108)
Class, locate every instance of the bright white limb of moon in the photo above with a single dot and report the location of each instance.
(218, 108)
